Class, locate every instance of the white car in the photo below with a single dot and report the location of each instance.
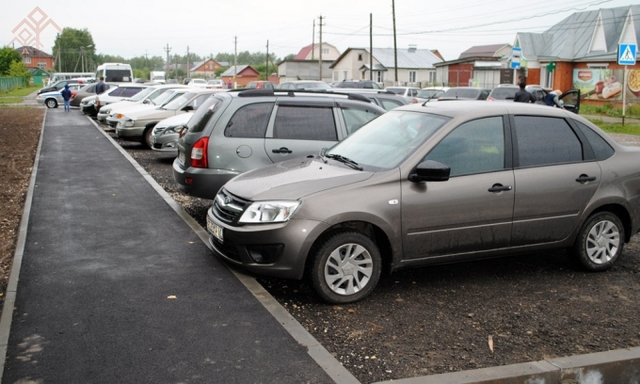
(198, 83)
(91, 105)
(407, 92)
(216, 84)
(164, 137)
(146, 96)
(138, 125)
(120, 112)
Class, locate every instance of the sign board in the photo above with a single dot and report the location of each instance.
(627, 54)
(516, 53)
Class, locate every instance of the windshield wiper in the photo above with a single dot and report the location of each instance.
(344, 160)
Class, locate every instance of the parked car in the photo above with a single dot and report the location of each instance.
(433, 184)
(216, 84)
(507, 92)
(165, 97)
(303, 84)
(357, 84)
(138, 125)
(86, 90)
(54, 98)
(145, 97)
(119, 93)
(260, 85)
(253, 128)
(198, 83)
(385, 99)
(57, 86)
(432, 93)
(465, 93)
(407, 92)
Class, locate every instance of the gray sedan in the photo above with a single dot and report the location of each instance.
(433, 184)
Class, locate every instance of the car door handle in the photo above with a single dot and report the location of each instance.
(584, 178)
(500, 188)
(282, 150)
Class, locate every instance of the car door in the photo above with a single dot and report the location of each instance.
(555, 178)
(300, 129)
(571, 100)
(473, 209)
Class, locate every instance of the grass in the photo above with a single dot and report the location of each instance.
(10, 100)
(631, 111)
(20, 92)
(629, 129)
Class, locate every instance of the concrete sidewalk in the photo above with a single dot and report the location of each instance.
(116, 284)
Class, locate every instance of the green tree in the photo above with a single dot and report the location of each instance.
(74, 49)
(7, 57)
(18, 69)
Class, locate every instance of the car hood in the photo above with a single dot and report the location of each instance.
(130, 107)
(182, 118)
(151, 113)
(293, 179)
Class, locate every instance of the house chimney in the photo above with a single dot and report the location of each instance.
(412, 47)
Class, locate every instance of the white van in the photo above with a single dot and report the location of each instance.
(115, 72)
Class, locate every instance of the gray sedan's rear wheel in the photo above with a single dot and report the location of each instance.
(600, 242)
(51, 103)
(146, 136)
(346, 267)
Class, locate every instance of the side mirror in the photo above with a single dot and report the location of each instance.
(188, 108)
(430, 170)
(182, 131)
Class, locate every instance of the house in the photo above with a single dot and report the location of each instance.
(581, 52)
(291, 70)
(205, 68)
(35, 58)
(415, 67)
(240, 75)
(312, 52)
(481, 66)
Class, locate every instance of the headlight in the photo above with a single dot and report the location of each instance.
(269, 212)
(105, 111)
(126, 122)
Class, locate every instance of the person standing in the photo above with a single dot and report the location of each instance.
(229, 84)
(101, 87)
(66, 96)
(523, 96)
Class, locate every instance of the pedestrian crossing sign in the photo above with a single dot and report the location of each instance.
(627, 54)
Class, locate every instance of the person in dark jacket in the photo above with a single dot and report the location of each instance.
(101, 87)
(66, 96)
(523, 96)
(552, 99)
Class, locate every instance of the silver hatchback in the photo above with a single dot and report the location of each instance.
(432, 184)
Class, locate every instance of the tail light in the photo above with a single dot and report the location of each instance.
(415, 101)
(490, 99)
(199, 157)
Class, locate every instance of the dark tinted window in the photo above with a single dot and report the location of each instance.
(503, 93)
(305, 123)
(130, 91)
(116, 92)
(117, 75)
(545, 141)
(474, 147)
(249, 121)
(203, 114)
(600, 147)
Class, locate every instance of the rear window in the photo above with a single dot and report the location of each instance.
(304, 123)
(504, 93)
(462, 93)
(249, 121)
(203, 114)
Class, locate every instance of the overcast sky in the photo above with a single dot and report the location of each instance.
(134, 28)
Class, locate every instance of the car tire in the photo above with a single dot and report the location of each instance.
(51, 103)
(146, 137)
(345, 267)
(600, 242)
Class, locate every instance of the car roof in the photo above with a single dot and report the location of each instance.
(471, 108)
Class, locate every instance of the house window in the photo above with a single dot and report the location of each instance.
(432, 77)
(27, 60)
(379, 76)
(42, 64)
(345, 74)
(598, 65)
(325, 51)
(359, 56)
(412, 76)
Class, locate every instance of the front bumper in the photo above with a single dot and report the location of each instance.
(278, 250)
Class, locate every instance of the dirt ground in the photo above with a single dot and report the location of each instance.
(417, 322)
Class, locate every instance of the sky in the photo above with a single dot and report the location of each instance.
(208, 27)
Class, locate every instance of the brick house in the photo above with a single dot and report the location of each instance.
(35, 58)
(205, 68)
(581, 52)
(243, 75)
(480, 65)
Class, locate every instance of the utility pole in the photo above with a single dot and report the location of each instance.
(235, 59)
(313, 41)
(395, 46)
(168, 49)
(320, 49)
(188, 67)
(371, 46)
(266, 74)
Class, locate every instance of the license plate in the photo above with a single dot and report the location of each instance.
(215, 230)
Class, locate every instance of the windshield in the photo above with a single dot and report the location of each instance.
(386, 141)
(503, 93)
(142, 94)
(179, 102)
(428, 93)
(163, 97)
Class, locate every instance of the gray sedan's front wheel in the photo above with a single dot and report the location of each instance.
(600, 242)
(51, 103)
(346, 267)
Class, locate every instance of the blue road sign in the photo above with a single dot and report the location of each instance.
(516, 53)
(627, 54)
